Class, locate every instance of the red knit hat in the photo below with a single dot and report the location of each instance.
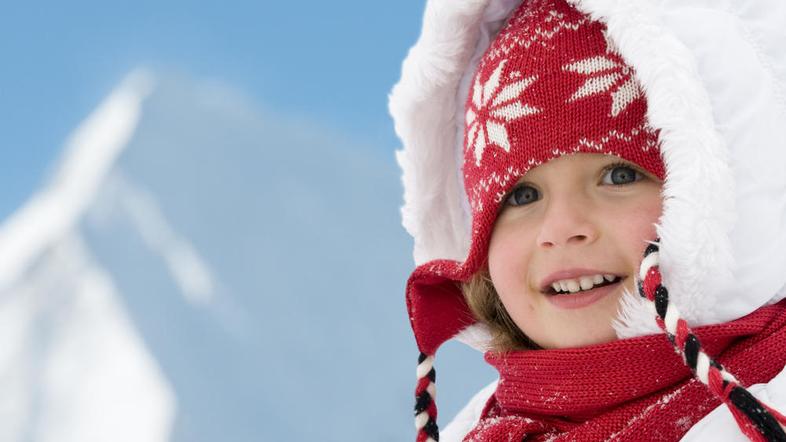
(551, 84)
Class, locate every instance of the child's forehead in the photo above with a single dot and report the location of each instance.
(576, 160)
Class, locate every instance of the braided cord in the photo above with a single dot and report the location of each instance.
(425, 407)
(757, 421)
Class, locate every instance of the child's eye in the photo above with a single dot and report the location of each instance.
(620, 174)
(521, 195)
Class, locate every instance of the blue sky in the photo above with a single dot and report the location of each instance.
(328, 62)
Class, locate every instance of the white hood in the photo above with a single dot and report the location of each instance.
(714, 73)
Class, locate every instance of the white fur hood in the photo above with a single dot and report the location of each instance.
(714, 73)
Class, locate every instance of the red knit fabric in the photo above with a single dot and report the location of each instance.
(634, 389)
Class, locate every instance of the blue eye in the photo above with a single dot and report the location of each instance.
(619, 174)
(522, 195)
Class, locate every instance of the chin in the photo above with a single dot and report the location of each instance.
(578, 339)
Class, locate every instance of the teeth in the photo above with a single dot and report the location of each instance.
(583, 283)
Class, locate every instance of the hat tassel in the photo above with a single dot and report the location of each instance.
(425, 406)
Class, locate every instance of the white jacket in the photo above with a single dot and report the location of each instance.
(714, 73)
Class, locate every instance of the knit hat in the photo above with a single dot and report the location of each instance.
(550, 84)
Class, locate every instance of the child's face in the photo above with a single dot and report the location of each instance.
(572, 218)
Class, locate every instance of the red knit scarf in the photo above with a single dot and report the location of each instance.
(633, 389)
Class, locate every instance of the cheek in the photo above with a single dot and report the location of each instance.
(636, 225)
(510, 257)
(509, 260)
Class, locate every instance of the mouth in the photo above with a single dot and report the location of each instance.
(582, 285)
(578, 298)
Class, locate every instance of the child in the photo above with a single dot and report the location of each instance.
(592, 185)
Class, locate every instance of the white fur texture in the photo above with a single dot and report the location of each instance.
(423, 105)
(476, 336)
(636, 317)
(698, 204)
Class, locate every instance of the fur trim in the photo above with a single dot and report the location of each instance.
(698, 208)
(476, 336)
(423, 105)
(636, 316)
(427, 106)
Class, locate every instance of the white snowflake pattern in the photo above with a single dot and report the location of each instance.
(606, 74)
(492, 107)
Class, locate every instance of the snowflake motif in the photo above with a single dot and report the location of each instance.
(491, 108)
(606, 74)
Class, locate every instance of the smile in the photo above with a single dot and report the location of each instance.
(584, 283)
(583, 297)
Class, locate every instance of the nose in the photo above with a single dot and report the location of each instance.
(567, 221)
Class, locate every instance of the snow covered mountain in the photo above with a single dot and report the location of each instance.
(199, 270)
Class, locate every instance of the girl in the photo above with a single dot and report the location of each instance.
(592, 185)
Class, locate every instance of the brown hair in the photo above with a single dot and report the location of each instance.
(484, 302)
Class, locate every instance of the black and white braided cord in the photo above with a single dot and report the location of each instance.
(757, 421)
(425, 407)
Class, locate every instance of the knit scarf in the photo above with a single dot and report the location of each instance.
(632, 389)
